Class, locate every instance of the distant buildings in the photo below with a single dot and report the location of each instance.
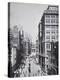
(48, 37)
(37, 50)
(37, 47)
(28, 44)
(19, 48)
(33, 48)
(14, 43)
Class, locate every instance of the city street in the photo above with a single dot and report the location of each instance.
(31, 68)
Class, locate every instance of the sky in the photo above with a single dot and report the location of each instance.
(28, 16)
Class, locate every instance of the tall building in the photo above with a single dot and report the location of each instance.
(14, 43)
(27, 44)
(48, 35)
(37, 51)
(20, 49)
(33, 48)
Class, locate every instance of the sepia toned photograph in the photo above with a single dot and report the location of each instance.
(33, 39)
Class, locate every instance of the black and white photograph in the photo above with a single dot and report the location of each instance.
(33, 39)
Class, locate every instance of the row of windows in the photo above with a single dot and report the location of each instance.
(54, 21)
(48, 32)
(51, 21)
(53, 32)
(48, 37)
(52, 16)
(51, 26)
(53, 8)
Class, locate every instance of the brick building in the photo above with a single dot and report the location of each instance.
(48, 34)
